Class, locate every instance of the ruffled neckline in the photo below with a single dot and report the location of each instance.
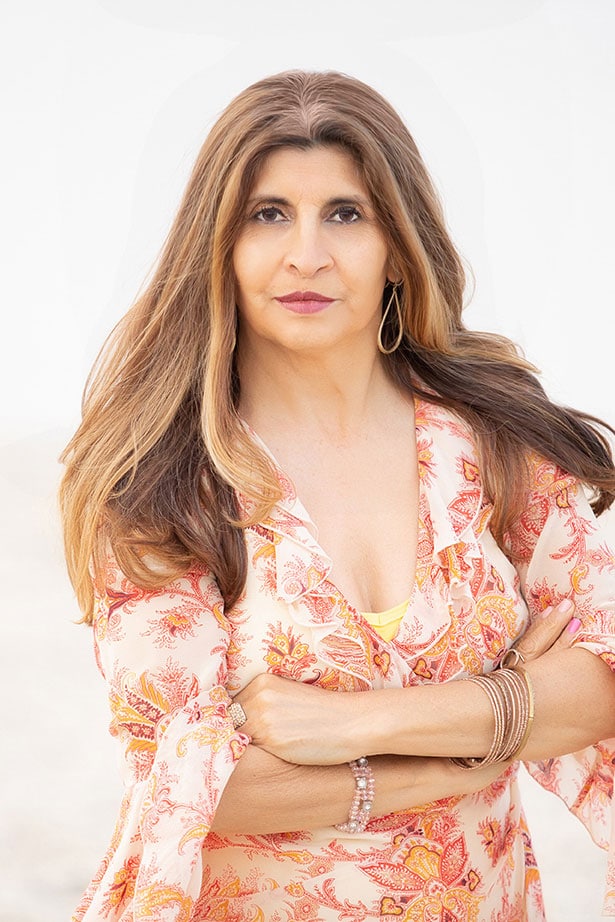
(453, 514)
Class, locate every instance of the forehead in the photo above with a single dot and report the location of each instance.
(326, 169)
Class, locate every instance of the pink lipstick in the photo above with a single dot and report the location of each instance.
(305, 302)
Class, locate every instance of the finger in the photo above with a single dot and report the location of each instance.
(545, 632)
(567, 636)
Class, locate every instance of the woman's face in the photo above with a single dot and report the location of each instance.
(311, 261)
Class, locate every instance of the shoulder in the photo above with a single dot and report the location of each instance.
(170, 613)
(446, 430)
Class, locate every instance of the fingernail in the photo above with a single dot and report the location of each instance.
(547, 611)
(565, 605)
(574, 626)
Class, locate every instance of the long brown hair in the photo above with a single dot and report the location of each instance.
(155, 466)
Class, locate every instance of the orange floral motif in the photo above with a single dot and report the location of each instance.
(389, 907)
(421, 668)
(155, 902)
(532, 877)
(493, 840)
(543, 596)
(286, 654)
(432, 883)
(470, 471)
(295, 889)
(265, 547)
(141, 706)
(123, 886)
(424, 458)
(495, 620)
(457, 565)
(382, 661)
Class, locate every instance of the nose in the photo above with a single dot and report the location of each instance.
(307, 250)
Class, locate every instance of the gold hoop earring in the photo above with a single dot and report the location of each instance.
(400, 323)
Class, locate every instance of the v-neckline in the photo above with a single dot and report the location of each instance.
(299, 511)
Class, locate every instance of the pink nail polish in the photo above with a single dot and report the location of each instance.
(573, 626)
(565, 605)
(546, 612)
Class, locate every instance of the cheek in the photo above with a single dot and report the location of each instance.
(239, 264)
(370, 260)
(249, 266)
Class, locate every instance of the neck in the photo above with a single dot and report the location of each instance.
(333, 394)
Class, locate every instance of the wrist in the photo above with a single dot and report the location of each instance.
(375, 726)
(361, 805)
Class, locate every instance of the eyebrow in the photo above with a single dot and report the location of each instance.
(330, 203)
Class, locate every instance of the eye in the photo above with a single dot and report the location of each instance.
(268, 214)
(346, 214)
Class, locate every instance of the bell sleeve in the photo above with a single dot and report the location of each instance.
(561, 551)
(162, 653)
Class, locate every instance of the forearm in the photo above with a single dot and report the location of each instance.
(267, 795)
(575, 703)
(574, 707)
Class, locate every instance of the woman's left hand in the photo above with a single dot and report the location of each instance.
(301, 723)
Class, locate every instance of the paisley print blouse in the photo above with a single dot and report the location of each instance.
(171, 658)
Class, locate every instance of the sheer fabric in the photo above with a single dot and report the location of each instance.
(172, 657)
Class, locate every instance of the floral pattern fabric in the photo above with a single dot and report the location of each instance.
(172, 657)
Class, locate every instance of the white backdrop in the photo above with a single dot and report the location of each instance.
(104, 106)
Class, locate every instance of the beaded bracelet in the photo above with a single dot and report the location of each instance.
(363, 798)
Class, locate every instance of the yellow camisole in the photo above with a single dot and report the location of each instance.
(386, 623)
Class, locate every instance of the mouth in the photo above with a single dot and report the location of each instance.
(305, 302)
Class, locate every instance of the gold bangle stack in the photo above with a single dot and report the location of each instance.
(511, 696)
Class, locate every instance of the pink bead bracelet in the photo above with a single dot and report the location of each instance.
(365, 788)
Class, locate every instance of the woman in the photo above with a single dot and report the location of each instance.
(299, 360)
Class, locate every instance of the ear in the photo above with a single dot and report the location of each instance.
(394, 277)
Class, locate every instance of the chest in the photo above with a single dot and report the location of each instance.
(363, 502)
(297, 619)
(294, 621)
